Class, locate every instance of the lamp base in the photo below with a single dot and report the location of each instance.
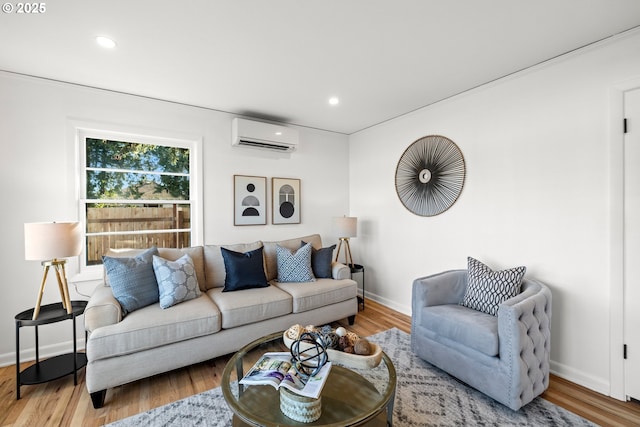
(61, 275)
(348, 259)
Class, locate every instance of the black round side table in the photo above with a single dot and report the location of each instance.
(53, 367)
(357, 268)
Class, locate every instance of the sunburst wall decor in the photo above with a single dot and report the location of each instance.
(430, 175)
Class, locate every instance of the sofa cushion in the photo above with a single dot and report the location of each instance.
(251, 305)
(152, 327)
(132, 280)
(487, 289)
(177, 281)
(271, 257)
(295, 266)
(471, 328)
(214, 263)
(243, 270)
(322, 292)
(321, 261)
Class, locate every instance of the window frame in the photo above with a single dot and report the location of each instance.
(194, 144)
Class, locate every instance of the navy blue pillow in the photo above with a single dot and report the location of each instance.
(321, 261)
(243, 270)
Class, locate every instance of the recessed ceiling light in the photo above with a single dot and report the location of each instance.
(105, 42)
(334, 100)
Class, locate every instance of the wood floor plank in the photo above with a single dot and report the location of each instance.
(60, 403)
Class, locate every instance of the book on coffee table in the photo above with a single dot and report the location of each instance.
(276, 369)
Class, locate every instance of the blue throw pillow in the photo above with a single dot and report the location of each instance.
(321, 261)
(243, 270)
(294, 266)
(177, 281)
(132, 280)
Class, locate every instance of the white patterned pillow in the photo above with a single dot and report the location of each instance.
(294, 266)
(487, 289)
(177, 281)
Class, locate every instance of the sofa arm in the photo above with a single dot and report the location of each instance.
(102, 309)
(340, 271)
(524, 332)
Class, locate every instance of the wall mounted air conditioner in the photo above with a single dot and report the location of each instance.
(265, 136)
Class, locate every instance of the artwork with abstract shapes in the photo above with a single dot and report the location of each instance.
(250, 200)
(286, 201)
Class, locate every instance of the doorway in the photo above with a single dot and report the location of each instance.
(620, 325)
(631, 330)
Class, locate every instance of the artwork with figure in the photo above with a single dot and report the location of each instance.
(250, 196)
(286, 201)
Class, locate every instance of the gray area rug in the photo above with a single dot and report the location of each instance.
(425, 396)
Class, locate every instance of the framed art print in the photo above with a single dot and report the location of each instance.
(249, 200)
(286, 200)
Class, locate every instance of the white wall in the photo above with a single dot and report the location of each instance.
(38, 181)
(536, 148)
(536, 194)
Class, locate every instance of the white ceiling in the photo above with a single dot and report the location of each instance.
(282, 59)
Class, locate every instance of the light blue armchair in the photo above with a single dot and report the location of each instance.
(505, 357)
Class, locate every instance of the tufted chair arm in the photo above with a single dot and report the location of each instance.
(524, 331)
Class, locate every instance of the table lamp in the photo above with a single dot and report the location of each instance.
(50, 243)
(346, 227)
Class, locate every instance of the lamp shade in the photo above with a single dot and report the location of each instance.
(45, 241)
(346, 226)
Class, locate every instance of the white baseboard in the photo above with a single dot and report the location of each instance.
(599, 385)
(388, 303)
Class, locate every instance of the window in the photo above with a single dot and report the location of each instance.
(136, 192)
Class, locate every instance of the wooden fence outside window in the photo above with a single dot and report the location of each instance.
(137, 225)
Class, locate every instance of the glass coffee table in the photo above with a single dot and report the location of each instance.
(350, 397)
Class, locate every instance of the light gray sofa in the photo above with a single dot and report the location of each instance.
(505, 357)
(151, 340)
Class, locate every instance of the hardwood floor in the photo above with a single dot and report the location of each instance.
(59, 403)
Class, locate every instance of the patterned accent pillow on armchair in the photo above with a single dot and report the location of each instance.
(487, 289)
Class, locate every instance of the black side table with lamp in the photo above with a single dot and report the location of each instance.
(355, 269)
(51, 243)
(57, 366)
(347, 227)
